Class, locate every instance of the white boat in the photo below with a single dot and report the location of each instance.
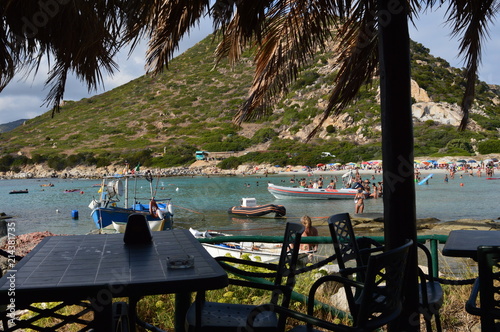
(114, 190)
(260, 251)
(281, 192)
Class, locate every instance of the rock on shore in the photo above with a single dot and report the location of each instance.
(22, 245)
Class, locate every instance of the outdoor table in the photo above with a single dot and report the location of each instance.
(97, 268)
(464, 243)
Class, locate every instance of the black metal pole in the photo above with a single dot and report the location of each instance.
(397, 147)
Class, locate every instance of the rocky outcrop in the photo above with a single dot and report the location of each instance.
(438, 112)
(419, 94)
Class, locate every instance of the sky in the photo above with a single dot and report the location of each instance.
(24, 97)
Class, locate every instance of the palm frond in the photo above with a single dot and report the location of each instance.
(74, 36)
(358, 59)
(294, 32)
(470, 20)
(7, 62)
(167, 24)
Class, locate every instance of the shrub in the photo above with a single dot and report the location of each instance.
(263, 135)
(489, 146)
(460, 144)
(229, 163)
(330, 129)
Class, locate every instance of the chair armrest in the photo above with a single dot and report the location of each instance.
(310, 320)
(364, 241)
(430, 270)
(259, 285)
(224, 259)
(237, 271)
(328, 278)
(470, 305)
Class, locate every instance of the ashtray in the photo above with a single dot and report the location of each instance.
(180, 262)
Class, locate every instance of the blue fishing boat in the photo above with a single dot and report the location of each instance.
(115, 190)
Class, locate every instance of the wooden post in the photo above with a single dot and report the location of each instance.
(397, 147)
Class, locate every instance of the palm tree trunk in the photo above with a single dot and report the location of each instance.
(397, 147)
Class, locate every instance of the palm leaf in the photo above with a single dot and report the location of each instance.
(470, 20)
(294, 32)
(358, 59)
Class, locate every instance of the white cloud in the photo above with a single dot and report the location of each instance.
(18, 106)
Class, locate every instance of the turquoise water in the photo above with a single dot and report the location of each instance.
(202, 202)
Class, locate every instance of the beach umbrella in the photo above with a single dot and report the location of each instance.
(461, 161)
(417, 161)
(320, 165)
(472, 161)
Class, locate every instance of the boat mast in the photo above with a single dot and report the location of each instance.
(126, 191)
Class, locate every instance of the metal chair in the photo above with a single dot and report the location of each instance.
(487, 287)
(221, 317)
(348, 247)
(380, 299)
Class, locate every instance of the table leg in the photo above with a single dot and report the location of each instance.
(103, 319)
(132, 313)
(182, 303)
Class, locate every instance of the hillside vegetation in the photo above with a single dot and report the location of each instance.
(161, 121)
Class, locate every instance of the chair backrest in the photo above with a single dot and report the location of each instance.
(381, 299)
(346, 249)
(287, 263)
(488, 258)
(343, 238)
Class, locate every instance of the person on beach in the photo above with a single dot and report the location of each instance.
(359, 201)
(309, 230)
(374, 194)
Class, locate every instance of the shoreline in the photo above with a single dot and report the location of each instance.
(243, 170)
(209, 168)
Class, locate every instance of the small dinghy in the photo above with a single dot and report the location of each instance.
(19, 191)
(249, 208)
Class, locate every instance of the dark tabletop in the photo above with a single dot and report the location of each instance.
(65, 268)
(464, 243)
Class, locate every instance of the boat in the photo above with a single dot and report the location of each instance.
(115, 190)
(19, 191)
(249, 208)
(257, 251)
(492, 178)
(281, 192)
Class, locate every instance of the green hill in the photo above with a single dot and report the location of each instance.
(11, 125)
(162, 120)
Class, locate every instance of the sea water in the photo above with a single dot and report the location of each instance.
(202, 202)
